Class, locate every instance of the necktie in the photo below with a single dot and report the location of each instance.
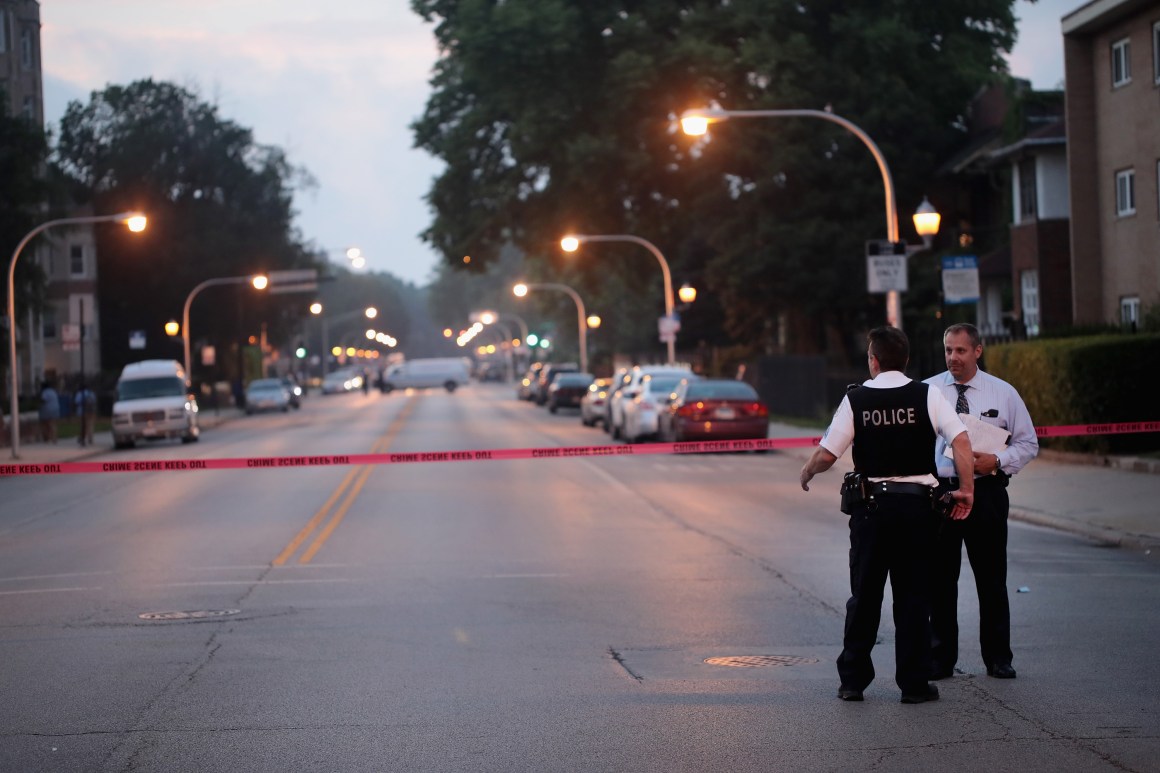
(961, 403)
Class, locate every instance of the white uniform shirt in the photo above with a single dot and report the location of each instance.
(943, 419)
(987, 394)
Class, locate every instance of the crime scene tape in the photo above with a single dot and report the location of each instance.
(495, 454)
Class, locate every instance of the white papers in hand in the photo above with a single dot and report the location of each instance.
(985, 438)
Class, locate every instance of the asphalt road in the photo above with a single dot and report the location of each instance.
(533, 615)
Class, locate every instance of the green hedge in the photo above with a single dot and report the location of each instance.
(1096, 379)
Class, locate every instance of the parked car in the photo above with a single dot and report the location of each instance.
(548, 374)
(630, 388)
(267, 394)
(295, 390)
(154, 400)
(652, 398)
(525, 389)
(593, 402)
(341, 380)
(567, 390)
(715, 409)
(621, 378)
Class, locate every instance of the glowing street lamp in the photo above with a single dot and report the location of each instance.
(521, 290)
(572, 242)
(258, 282)
(172, 328)
(687, 293)
(696, 123)
(926, 221)
(135, 221)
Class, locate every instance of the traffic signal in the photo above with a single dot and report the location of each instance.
(300, 350)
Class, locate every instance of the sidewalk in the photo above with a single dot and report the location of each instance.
(68, 450)
(1112, 500)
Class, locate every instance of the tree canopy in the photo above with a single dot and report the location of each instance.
(219, 205)
(559, 115)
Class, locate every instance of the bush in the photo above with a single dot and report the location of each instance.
(1092, 380)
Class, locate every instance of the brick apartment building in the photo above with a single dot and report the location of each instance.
(1112, 70)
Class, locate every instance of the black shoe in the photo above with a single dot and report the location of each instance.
(1001, 671)
(928, 694)
(939, 674)
(849, 694)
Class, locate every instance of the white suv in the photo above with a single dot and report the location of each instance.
(631, 389)
(154, 401)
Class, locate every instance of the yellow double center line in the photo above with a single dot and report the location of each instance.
(346, 492)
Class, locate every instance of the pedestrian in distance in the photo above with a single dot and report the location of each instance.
(86, 408)
(993, 401)
(891, 423)
(49, 412)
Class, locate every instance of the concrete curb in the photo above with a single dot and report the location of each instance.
(1100, 534)
(1126, 463)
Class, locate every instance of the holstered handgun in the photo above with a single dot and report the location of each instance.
(853, 491)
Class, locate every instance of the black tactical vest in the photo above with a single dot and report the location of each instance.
(892, 431)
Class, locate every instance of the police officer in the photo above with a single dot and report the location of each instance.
(891, 422)
(995, 402)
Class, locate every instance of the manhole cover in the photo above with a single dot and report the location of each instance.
(759, 661)
(197, 614)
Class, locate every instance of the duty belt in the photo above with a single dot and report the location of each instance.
(890, 487)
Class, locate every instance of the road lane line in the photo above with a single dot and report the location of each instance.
(312, 524)
(338, 516)
(358, 474)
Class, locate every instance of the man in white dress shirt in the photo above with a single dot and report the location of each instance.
(992, 400)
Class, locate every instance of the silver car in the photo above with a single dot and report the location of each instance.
(267, 394)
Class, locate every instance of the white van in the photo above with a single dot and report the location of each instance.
(154, 401)
(447, 372)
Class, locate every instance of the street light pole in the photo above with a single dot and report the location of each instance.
(136, 223)
(259, 283)
(695, 122)
(571, 242)
(581, 315)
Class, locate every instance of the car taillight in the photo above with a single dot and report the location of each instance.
(692, 411)
(756, 409)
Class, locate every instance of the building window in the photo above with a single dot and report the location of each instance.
(48, 324)
(1155, 53)
(26, 48)
(1029, 292)
(76, 260)
(28, 109)
(1125, 192)
(3, 30)
(1028, 198)
(1130, 311)
(1121, 63)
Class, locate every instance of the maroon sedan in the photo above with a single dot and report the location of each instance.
(714, 409)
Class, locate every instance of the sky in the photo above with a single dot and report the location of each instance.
(336, 85)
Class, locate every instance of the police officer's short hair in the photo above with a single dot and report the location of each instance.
(890, 347)
(965, 327)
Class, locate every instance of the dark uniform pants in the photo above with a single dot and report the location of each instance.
(891, 539)
(985, 534)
